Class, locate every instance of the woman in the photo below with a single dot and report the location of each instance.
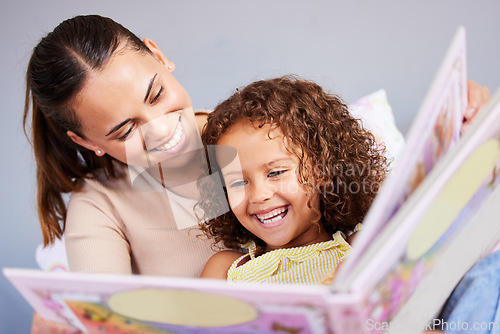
(106, 110)
(103, 101)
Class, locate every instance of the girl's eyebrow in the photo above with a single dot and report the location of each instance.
(239, 172)
(232, 172)
(277, 161)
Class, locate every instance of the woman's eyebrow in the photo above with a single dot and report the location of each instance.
(117, 127)
(148, 91)
(150, 86)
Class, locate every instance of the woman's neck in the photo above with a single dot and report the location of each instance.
(179, 180)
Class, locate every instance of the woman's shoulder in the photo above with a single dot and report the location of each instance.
(101, 182)
(101, 191)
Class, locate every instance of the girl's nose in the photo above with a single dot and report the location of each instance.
(260, 193)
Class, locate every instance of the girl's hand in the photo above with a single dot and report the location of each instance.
(41, 326)
(478, 96)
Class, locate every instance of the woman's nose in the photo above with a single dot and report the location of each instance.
(158, 129)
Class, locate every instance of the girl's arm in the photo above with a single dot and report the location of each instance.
(218, 265)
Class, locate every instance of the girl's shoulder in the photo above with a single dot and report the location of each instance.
(201, 118)
(218, 265)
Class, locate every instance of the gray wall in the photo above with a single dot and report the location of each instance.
(351, 47)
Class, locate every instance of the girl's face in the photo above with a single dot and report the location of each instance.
(263, 190)
(135, 110)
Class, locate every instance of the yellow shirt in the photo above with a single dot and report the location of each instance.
(298, 265)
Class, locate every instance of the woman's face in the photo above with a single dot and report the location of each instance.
(135, 110)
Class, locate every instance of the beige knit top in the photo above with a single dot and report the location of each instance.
(112, 227)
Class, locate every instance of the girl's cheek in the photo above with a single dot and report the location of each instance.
(289, 186)
(236, 198)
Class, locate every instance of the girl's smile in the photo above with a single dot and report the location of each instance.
(272, 218)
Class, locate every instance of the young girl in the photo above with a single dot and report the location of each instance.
(305, 174)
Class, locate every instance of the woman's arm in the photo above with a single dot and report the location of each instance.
(95, 242)
(218, 265)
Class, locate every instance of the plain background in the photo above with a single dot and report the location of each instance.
(350, 47)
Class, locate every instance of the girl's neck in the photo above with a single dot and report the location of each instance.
(315, 236)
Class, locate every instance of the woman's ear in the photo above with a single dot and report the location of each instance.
(158, 54)
(84, 142)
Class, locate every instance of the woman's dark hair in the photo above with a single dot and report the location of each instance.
(338, 158)
(57, 72)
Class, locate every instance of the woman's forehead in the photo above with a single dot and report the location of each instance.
(121, 84)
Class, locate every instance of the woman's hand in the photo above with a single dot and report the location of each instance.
(478, 97)
(41, 326)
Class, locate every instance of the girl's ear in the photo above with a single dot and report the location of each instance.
(83, 142)
(158, 54)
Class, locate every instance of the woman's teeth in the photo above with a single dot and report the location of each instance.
(272, 216)
(172, 142)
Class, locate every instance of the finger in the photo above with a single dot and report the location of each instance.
(486, 95)
(475, 97)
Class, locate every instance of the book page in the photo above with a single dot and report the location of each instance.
(434, 227)
(434, 132)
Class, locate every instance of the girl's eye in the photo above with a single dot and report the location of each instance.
(237, 184)
(125, 135)
(276, 173)
(157, 95)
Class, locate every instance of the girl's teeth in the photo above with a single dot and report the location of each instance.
(268, 221)
(272, 216)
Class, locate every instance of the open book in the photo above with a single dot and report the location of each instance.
(431, 221)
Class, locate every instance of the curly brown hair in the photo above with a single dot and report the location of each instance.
(336, 154)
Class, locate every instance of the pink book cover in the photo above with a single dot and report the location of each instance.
(147, 304)
(438, 234)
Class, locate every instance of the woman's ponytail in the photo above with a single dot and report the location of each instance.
(56, 73)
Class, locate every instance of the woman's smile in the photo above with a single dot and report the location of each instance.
(174, 142)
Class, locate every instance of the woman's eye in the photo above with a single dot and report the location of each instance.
(157, 96)
(276, 173)
(125, 135)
